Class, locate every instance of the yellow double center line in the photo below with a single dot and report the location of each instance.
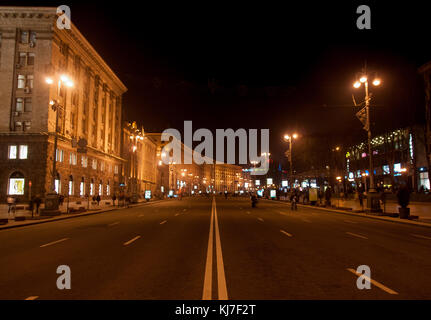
(221, 279)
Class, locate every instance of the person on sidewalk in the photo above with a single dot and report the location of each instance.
(37, 201)
(114, 197)
(98, 199)
(11, 203)
(361, 198)
(31, 206)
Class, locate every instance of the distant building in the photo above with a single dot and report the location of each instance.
(140, 153)
(32, 48)
(398, 157)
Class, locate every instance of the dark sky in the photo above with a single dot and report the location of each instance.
(284, 67)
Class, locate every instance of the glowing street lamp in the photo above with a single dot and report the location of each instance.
(289, 139)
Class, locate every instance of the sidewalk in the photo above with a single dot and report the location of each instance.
(352, 207)
(21, 211)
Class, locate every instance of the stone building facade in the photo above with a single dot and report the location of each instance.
(140, 153)
(32, 49)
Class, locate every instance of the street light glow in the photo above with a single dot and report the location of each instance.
(287, 137)
(363, 79)
(376, 82)
(357, 84)
(64, 78)
(49, 80)
(295, 135)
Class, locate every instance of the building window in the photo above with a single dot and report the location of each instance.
(22, 58)
(27, 125)
(33, 37)
(16, 184)
(101, 188)
(72, 158)
(27, 105)
(92, 189)
(70, 187)
(30, 81)
(21, 81)
(102, 166)
(24, 37)
(12, 152)
(57, 184)
(84, 161)
(82, 189)
(116, 169)
(19, 106)
(23, 151)
(59, 155)
(94, 164)
(30, 59)
(108, 190)
(18, 126)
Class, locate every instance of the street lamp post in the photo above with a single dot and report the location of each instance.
(373, 203)
(289, 138)
(52, 201)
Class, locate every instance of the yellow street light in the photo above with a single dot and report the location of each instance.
(357, 84)
(49, 80)
(295, 135)
(363, 79)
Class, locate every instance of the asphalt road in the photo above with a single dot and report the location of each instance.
(216, 249)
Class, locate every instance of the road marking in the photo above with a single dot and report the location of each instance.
(356, 235)
(260, 219)
(420, 236)
(177, 214)
(377, 284)
(163, 222)
(54, 242)
(113, 224)
(286, 233)
(32, 298)
(209, 262)
(130, 241)
(221, 278)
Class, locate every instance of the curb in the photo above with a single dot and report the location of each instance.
(75, 216)
(381, 218)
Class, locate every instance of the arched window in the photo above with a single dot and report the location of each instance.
(16, 184)
(100, 188)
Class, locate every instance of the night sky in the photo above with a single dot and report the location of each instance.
(285, 67)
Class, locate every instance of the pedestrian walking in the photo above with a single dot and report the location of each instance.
(114, 197)
(294, 199)
(37, 201)
(11, 203)
(98, 199)
(61, 199)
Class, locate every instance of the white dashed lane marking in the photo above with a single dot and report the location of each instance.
(356, 235)
(54, 242)
(285, 233)
(132, 240)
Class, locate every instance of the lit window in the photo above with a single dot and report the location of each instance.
(16, 184)
(116, 169)
(59, 155)
(91, 189)
(12, 152)
(57, 185)
(23, 151)
(21, 81)
(108, 191)
(22, 58)
(82, 189)
(72, 158)
(70, 188)
(94, 164)
(19, 105)
(100, 189)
